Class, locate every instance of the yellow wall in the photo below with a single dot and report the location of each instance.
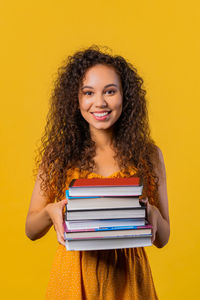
(162, 39)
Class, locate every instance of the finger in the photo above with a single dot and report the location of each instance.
(154, 230)
(143, 202)
(63, 203)
(60, 239)
(148, 208)
(153, 235)
(60, 234)
(145, 199)
(58, 225)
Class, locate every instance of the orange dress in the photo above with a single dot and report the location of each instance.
(120, 274)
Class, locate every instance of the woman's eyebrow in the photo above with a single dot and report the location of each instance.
(90, 87)
(112, 84)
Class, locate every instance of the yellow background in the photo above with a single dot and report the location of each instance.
(161, 38)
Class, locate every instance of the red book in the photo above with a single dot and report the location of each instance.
(130, 186)
(85, 182)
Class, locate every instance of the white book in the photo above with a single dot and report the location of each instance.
(106, 244)
(108, 191)
(102, 203)
(106, 214)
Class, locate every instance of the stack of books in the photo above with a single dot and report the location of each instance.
(105, 214)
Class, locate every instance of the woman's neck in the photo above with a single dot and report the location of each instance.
(105, 162)
(102, 138)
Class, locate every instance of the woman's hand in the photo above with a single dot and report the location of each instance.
(152, 216)
(56, 214)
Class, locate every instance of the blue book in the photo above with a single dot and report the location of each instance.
(98, 202)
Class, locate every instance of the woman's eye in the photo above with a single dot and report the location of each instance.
(88, 93)
(110, 92)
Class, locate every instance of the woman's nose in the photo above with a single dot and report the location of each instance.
(100, 100)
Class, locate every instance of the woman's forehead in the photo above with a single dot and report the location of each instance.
(101, 75)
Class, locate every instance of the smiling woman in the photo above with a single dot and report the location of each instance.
(98, 127)
(100, 97)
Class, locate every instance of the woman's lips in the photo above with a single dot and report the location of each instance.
(101, 116)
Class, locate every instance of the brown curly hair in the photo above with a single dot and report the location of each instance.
(66, 142)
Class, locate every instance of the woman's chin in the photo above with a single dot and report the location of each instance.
(100, 126)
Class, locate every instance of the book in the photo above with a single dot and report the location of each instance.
(107, 243)
(130, 186)
(99, 224)
(106, 214)
(93, 203)
(109, 232)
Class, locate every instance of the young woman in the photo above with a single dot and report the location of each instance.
(98, 127)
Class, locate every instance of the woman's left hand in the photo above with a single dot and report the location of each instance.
(152, 216)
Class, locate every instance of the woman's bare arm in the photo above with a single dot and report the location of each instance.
(159, 217)
(42, 215)
(163, 223)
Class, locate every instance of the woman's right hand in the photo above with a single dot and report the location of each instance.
(56, 214)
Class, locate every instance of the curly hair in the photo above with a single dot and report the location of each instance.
(66, 142)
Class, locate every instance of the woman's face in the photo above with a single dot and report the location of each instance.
(100, 97)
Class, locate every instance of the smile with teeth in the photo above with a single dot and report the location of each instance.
(101, 114)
